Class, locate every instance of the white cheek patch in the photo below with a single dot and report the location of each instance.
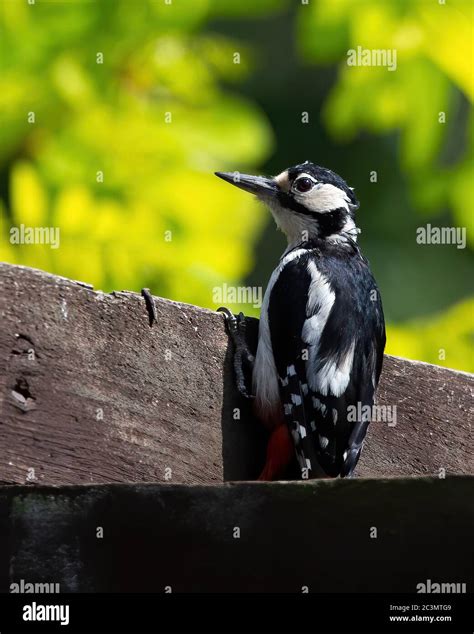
(282, 181)
(324, 198)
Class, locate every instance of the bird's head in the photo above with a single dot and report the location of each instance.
(307, 201)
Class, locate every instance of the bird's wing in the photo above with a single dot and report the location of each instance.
(327, 332)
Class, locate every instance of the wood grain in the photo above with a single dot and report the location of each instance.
(90, 393)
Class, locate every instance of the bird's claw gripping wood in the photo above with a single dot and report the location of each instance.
(230, 320)
(150, 306)
(243, 358)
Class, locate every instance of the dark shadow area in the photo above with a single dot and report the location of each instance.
(183, 537)
(244, 439)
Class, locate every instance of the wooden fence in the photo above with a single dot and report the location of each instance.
(90, 394)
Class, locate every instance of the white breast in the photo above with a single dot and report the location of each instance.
(265, 377)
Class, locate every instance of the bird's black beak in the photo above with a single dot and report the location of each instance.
(258, 185)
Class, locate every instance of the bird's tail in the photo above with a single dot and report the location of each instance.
(356, 441)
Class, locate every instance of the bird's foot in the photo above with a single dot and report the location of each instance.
(235, 326)
(243, 358)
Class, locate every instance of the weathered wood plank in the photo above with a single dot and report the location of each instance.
(90, 393)
(331, 536)
(433, 433)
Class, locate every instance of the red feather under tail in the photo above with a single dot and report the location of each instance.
(280, 451)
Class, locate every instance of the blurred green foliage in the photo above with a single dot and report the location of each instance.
(136, 103)
(434, 46)
(122, 152)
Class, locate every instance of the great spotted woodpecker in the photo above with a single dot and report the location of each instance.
(321, 333)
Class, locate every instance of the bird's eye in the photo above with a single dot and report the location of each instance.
(304, 184)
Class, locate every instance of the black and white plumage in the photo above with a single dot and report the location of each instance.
(321, 333)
